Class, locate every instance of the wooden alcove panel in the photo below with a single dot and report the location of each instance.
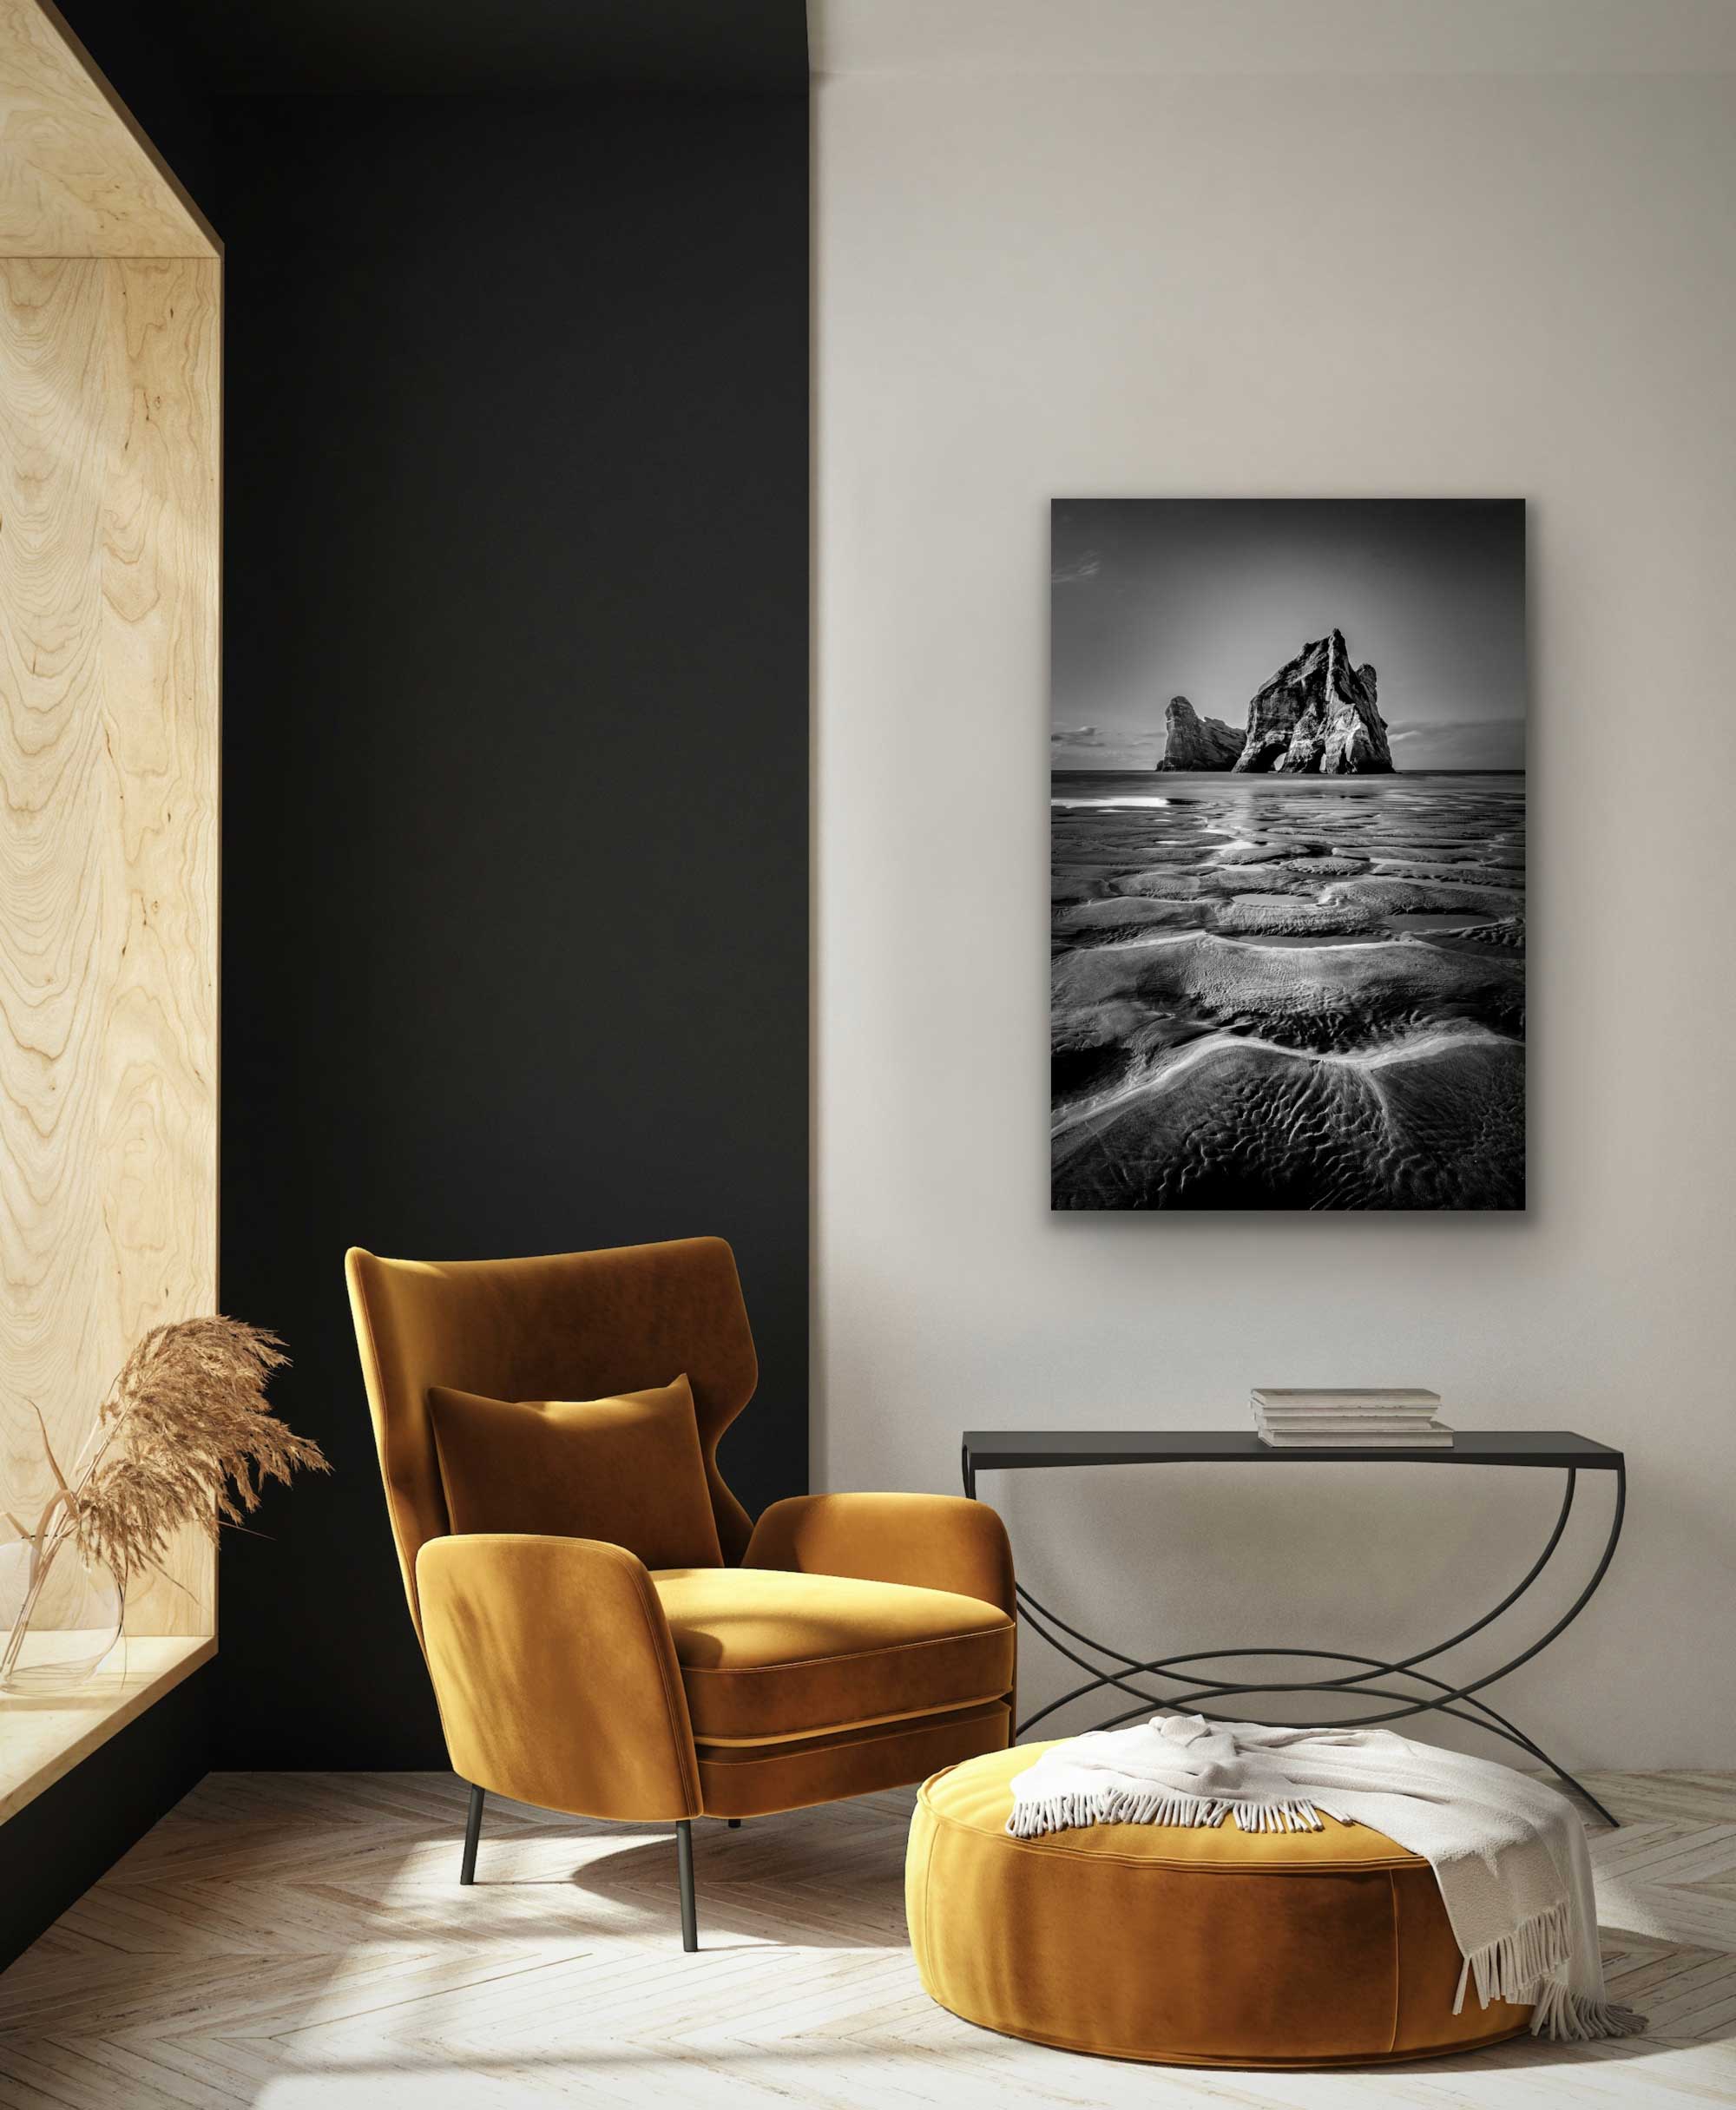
(108, 759)
(77, 178)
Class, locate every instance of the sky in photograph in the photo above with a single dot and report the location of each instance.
(1153, 598)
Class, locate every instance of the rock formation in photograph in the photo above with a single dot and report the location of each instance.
(1317, 717)
(1192, 742)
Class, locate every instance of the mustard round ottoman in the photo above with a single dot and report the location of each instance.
(1189, 1947)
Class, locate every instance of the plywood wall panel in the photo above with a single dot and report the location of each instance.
(109, 761)
(76, 176)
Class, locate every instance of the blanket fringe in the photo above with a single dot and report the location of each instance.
(1571, 2018)
(1531, 1967)
(1033, 1820)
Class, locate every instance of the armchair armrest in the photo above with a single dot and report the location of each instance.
(938, 1542)
(557, 1676)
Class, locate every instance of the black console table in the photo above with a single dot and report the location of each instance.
(1557, 1449)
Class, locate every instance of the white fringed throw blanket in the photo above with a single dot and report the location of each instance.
(1508, 1853)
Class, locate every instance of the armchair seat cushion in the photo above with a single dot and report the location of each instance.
(766, 1655)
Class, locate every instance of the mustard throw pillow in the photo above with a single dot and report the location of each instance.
(629, 1469)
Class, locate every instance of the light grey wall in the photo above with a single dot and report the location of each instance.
(1034, 288)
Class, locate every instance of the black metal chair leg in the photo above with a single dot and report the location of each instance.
(684, 1865)
(473, 1830)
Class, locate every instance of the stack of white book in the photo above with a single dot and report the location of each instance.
(1349, 1417)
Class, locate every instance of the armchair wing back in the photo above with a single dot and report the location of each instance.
(582, 1325)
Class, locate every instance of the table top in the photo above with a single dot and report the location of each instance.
(1002, 1450)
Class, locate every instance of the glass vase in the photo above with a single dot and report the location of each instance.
(60, 1618)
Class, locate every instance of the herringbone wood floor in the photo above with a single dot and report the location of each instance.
(297, 1939)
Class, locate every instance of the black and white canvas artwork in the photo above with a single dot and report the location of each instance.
(1287, 828)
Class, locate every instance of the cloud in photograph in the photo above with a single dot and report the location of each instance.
(1092, 747)
(1487, 743)
(1077, 569)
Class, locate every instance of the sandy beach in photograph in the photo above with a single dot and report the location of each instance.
(1289, 993)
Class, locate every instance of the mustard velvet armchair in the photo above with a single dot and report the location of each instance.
(846, 1643)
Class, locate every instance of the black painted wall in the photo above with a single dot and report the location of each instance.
(515, 899)
(514, 831)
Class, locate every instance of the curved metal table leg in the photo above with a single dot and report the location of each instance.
(1439, 1696)
(1159, 1665)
